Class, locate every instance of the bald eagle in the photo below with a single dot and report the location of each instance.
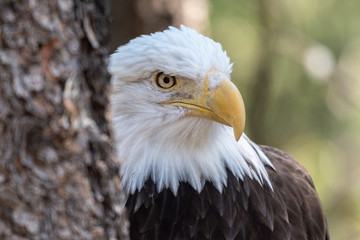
(188, 169)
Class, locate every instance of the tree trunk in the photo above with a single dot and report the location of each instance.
(132, 18)
(261, 87)
(58, 176)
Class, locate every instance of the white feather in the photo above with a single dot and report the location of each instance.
(158, 141)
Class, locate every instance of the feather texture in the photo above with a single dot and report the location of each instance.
(244, 210)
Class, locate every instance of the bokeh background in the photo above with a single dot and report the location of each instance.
(300, 61)
(297, 64)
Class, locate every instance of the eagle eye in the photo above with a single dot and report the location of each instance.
(165, 81)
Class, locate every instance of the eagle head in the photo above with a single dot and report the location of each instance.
(176, 112)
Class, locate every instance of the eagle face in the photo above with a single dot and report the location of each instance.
(176, 112)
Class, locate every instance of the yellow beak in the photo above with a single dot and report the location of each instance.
(223, 104)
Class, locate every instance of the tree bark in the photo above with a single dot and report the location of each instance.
(58, 176)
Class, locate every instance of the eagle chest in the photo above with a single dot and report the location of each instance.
(243, 210)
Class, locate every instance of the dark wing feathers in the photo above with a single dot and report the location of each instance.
(293, 185)
(244, 210)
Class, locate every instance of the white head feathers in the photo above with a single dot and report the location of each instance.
(182, 52)
(159, 142)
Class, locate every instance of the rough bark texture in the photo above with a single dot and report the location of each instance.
(58, 177)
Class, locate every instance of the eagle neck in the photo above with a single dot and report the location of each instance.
(199, 150)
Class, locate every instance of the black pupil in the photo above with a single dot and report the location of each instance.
(166, 80)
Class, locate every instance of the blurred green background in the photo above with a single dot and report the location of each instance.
(297, 64)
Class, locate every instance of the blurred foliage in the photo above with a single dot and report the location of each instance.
(312, 107)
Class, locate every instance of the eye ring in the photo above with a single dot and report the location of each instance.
(165, 81)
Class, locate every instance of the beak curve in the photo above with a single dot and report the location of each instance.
(222, 104)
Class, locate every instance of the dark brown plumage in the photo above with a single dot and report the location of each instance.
(244, 210)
